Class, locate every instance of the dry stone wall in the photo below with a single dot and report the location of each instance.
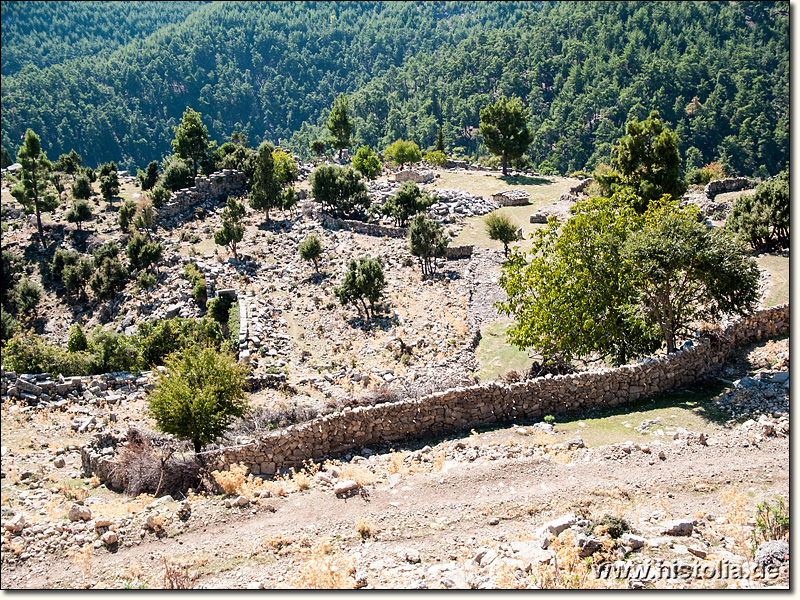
(216, 186)
(721, 186)
(495, 402)
(361, 227)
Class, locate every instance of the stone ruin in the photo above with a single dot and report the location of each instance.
(415, 175)
(215, 187)
(512, 198)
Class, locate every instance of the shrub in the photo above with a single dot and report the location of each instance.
(12, 266)
(143, 252)
(27, 295)
(218, 308)
(80, 212)
(500, 228)
(145, 280)
(115, 351)
(199, 395)
(62, 258)
(367, 162)
(126, 212)
(339, 190)
(198, 281)
(148, 179)
(177, 175)
(364, 281)
(762, 219)
(8, 325)
(28, 352)
(233, 328)
(109, 278)
(427, 243)
(772, 521)
(436, 158)
(159, 339)
(407, 202)
(77, 342)
(311, 249)
(82, 187)
(76, 275)
(160, 195)
(401, 152)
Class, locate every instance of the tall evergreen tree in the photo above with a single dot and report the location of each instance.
(504, 127)
(31, 191)
(266, 192)
(340, 125)
(191, 138)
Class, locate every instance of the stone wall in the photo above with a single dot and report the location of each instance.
(512, 198)
(216, 186)
(721, 186)
(581, 186)
(361, 227)
(455, 252)
(495, 402)
(415, 175)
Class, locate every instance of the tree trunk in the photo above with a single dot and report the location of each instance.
(198, 446)
(505, 162)
(39, 221)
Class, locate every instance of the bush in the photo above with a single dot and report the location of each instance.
(367, 162)
(159, 339)
(198, 396)
(27, 352)
(27, 296)
(8, 324)
(115, 351)
(233, 328)
(436, 158)
(82, 187)
(78, 342)
(148, 179)
(80, 212)
(762, 219)
(499, 227)
(75, 276)
(407, 202)
(198, 281)
(364, 281)
(61, 259)
(218, 308)
(160, 195)
(427, 243)
(177, 175)
(143, 252)
(109, 278)
(145, 280)
(12, 266)
(339, 190)
(311, 249)
(126, 212)
(402, 152)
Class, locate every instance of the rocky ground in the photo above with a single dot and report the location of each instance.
(511, 506)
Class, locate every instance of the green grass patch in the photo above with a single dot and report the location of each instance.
(496, 356)
(690, 409)
(778, 267)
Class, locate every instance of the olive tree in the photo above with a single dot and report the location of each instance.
(364, 282)
(427, 242)
(500, 228)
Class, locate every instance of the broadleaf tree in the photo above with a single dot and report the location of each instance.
(198, 396)
(504, 127)
(339, 190)
(426, 241)
(363, 283)
(406, 203)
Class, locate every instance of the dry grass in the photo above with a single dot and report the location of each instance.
(177, 576)
(366, 527)
(568, 570)
(56, 508)
(232, 481)
(506, 579)
(13, 474)
(397, 463)
(82, 558)
(324, 569)
(361, 475)
(737, 515)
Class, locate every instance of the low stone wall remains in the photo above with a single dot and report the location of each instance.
(214, 187)
(512, 198)
(496, 402)
(456, 252)
(415, 175)
(721, 186)
(361, 227)
(581, 186)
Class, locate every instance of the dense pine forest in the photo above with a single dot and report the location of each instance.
(112, 83)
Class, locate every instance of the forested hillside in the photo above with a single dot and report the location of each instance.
(716, 71)
(48, 33)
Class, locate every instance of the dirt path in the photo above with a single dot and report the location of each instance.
(443, 516)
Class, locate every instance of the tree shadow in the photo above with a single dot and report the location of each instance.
(380, 322)
(524, 180)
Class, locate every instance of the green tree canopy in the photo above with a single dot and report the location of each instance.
(762, 219)
(232, 231)
(79, 212)
(572, 295)
(402, 152)
(191, 138)
(499, 227)
(685, 271)
(407, 202)
(311, 249)
(148, 179)
(31, 191)
(504, 127)
(340, 125)
(427, 242)
(648, 161)
(367, 162)
(198, 396)
(364, 282)
(81, 187)
(339, 190)
(266, 191)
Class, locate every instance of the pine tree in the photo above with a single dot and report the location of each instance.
(340, 125)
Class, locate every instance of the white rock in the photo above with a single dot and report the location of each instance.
(345, 486)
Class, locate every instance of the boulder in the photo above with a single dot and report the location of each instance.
(78, 512)
(678, 527)
(345, 486)
(775, 552)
